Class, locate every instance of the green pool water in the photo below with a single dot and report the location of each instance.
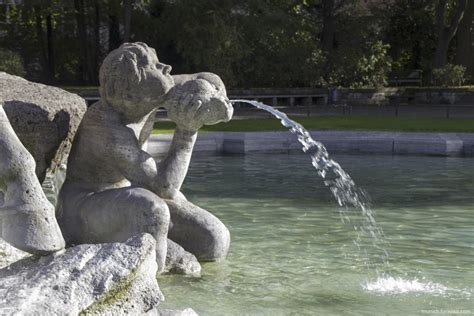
(291, 254)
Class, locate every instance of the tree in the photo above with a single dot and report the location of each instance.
(127, 7)
(465, 40)
(43, 16)
(446, 32)
(407, 26)
(114, 25)
(329, 25)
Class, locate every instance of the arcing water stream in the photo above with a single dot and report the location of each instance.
(355, 210)
(355, 205)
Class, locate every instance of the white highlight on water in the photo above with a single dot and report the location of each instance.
(354, 202)
(385, 285)
(391, 285)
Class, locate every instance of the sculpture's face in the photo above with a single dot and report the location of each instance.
(155, 78)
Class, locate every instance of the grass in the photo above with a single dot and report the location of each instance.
(355, 123)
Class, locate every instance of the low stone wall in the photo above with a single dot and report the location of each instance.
(381, 96)
(385, 143)
(408, 95)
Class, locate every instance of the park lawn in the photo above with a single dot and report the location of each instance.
(356, 123)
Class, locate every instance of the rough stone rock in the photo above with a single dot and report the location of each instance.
(45, 119)
(111, 279)
(10, 254)
(180, 261)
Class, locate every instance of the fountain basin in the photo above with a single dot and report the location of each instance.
(291, 254)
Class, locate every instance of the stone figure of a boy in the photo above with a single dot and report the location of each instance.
(113, 188)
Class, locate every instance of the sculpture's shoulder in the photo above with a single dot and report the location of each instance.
(102, 131)
(95, 131)
(99, 115)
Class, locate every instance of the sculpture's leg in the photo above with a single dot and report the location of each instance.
(113, 216)
(198, 231)
(27, 218)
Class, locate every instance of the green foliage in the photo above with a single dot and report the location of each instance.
(372, 70)
(11, 63)
(450, 75)
(408, 28)
(203, 36)
(265, 43)
(248, 43)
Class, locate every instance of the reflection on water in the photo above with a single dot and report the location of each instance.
(290, 253)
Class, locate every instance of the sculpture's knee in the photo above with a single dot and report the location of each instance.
(216, 244)
(155, 218)
(198, 232)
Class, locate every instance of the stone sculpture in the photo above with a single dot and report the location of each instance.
(113, 188)
(27, 218)
(114, 195)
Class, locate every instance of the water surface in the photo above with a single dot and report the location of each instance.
(291, 254)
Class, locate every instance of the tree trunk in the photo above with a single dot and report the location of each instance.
(446, 33)
(82, 37)
(50, 47)
(329, 27)
(7, 13)
(114, 33)
(40, 39)
(127, 7)
(97, 47)
(465, 38)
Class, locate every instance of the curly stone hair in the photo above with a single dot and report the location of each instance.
(122, 70)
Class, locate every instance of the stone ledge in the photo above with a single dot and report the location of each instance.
(347, 142)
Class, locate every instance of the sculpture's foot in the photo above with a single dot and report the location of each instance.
(198, 231)
(34, 232)
(180, 261)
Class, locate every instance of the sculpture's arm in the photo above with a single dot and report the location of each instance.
(190, 104)
(196, 100)
(174, 166)
(141, 169)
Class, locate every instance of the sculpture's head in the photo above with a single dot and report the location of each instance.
(132, 79)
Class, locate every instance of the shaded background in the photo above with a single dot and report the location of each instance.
(249, 43)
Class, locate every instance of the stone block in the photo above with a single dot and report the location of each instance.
(116, 278)
(430, 147)
(45, 119)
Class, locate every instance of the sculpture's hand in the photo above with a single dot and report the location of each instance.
(196, 103)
